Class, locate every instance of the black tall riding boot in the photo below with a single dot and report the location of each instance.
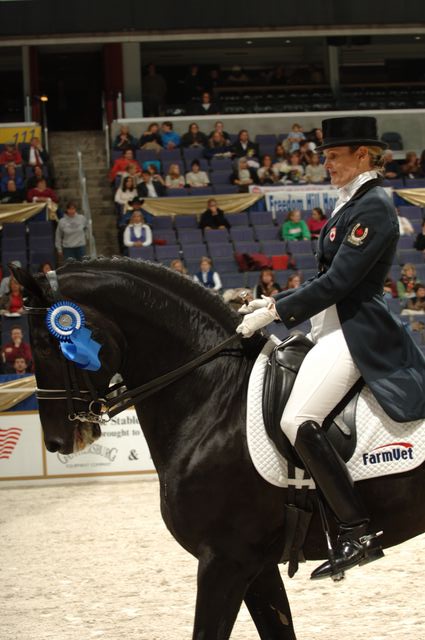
(354, 545)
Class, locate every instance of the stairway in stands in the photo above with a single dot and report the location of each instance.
(63, 148)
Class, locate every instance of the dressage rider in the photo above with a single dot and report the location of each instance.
(353, 332)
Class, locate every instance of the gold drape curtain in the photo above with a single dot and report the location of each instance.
(234, 203)
(414, 196)
(14, 391)
(20, 212)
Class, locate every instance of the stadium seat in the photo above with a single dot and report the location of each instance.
(141, 253)
(259, 218)
(190, 236)
(393, 140)
(169, 235)
(244, 234)
(177, 193)
(232, 280)
(220, 177)
(213, 236)
(220, 250)
(162, 222)
(201, 191)
(221, 164)
(267, 232)
(193, 251)
(238, 219)
(189, 221)
(223, 189)
(251, 246)
(166, 253)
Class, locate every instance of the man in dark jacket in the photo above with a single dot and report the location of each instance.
(213, 217)
(150, 188)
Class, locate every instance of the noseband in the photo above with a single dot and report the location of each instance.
(101, 409)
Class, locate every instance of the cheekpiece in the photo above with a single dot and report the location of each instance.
(63, 318)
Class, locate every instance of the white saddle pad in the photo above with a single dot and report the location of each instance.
(383, 446)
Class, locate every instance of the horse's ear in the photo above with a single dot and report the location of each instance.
(24, 278)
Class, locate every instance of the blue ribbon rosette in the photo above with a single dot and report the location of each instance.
(66, 322)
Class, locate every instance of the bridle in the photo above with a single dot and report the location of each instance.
(117, 398)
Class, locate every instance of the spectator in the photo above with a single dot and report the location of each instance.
(279, 154)
(304, 152)
(316, 222)
(154, 90)
(392, 169)
(192, 84)
(315, 138)
(5, 283)
(177, 265)
(293, 282)
(218, 146)
(243, 176)
(136, 205)
(206, 107)
(35, 155)
(406, 284)
(244, 147)
(314, 171)
(45, 267)
(417, 303)
(292, 142)
(390, 288)
(195, 177)
(410, 167)
(42, 193)
(266, 285)
(213, 217)
(12, 301)
(10, 154)
(294, 228)
(213, 80)
(405, 226)
(12, 195)
(207, 276)
(133, 171)
(266, 174)
(121, 165)
(174, 179)
(194, 137)
(151, 139)
(150, 187)
(20, 366)
(153, 169)
(137, 233)
(124, 140)
(170, 139)
(293, 171)
(11, 174)
(37, 174)
(16, 348)
(419, 243)
(125, 193)
(219, 128)
(70, 237)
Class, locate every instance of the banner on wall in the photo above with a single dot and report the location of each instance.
(301, 198)
(19, 133)
(122, 448)
(21, 445)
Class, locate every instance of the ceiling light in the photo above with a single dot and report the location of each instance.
(287, 42)
(249, 41)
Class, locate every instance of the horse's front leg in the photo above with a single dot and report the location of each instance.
(221, 588)
(269, 607)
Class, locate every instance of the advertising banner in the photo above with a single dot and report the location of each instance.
(296, 198)
(20, 445)
(15, 134)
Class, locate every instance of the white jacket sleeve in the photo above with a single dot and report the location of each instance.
(148, 233)
(217, 281)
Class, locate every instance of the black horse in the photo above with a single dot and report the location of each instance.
(150, 321)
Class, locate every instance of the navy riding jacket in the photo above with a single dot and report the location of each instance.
(356, 248)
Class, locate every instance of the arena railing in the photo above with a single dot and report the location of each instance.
(85, 205)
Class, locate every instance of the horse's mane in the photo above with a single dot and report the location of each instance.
(158, 275)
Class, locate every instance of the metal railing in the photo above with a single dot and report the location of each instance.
(86, 206)
(106, 131)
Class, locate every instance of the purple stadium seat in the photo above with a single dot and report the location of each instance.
(216, 235)
(162, 222)
(232, 280)
(410, 212)
(141, 253)
(273, 247)
(266, 138)
(260, 218)
(298, 247)
(169, 235)
(146, 155)
(247, 247)
(267, 232)
(244, 234)
(202, 191)
(220, 177)
(415, 183)
(397, 183)
(222, 189)
(14, 230)
(220, 250)
(190, 236)
(305, 261)
(189, 221)
(192, 153)
(193, 251)
(170, 155)
(178, 193)
(221, 164)
(266, 149)
(410, 255)
(167, 253)
(405, 242)
(238, 219)
(225, 265)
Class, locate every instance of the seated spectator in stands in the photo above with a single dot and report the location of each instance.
(292, 142)
(35, 155)
(237, 75)
(45, 267)
(266, 285)
(150, 187)
(42, 193)
(133, 171)
(410, 167)
(218, 147)
(11, 174)
(304, 152)
(405, 226)
(390, 288)
(12, 301)
(178, 265)
(20, 366)
(315, 137)
(121, 165)
(195, 177)
(124, 140)
(16, 348)
(244, 147)
(194, 137)
(170, 139)
(137, 233)
(70, 236)
(137, 205)
(125, 193)
(419, 243)
(316, 222)
(206, 107)
(152, 169)
(207, 276)
(265, 173)
(314, 171)
(406, 284)
(154, 90)
(392, 169)
(219, 128)
(279, 154)
(294, 228)
(293, 282)
(10, 154)
(5, 283)
(213, 217)
(243, 175)
(292, 170)
(151, 139)
(174, 179)
(417, 303)
(37, 174)
(12, 195)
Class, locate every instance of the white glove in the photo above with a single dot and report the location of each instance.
(258, 319)
(258, 303)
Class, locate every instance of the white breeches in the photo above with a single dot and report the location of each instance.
(325, 376)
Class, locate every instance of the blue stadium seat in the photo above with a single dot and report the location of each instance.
(178, 193)
(244, 234)
(247, 247)
(226, 189)
(162, 222)
(238, 219)
(220, 177)
(186, 221)
(213, 236)
(190, 236)
(166, 253)
(201, 191)
(260, 218)
(141, 253)
(267, 232)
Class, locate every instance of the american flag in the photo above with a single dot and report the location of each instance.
(8, 441)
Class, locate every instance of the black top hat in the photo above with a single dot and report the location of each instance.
(349, 131)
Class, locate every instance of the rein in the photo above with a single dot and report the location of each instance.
(117, 398)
